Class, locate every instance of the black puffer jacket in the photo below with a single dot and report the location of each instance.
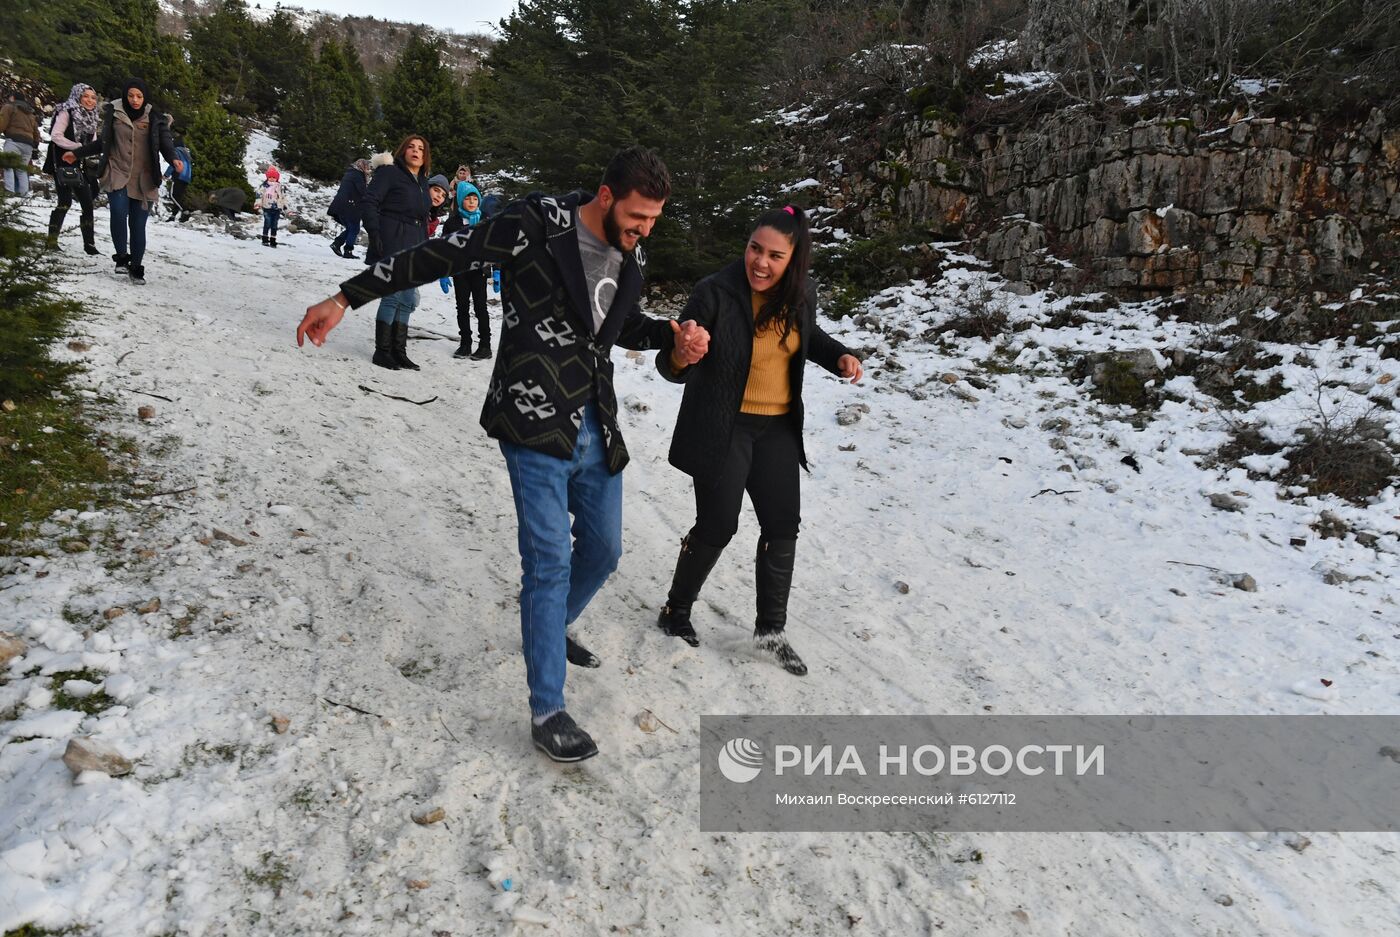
(345, 207)
(714, 388)
(395, 210)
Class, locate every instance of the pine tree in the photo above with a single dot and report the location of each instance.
(281, 55)
(222, 47)
(326, 121)
(219, 142)
(34, 312)
(420, 95)
(573, 81)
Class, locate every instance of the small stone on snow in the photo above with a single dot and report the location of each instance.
(429, 816)
(86, 754)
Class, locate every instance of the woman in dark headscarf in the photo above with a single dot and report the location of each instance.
(74, 126)
(134, 137)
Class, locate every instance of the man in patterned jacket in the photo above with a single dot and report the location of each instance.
(573, 269)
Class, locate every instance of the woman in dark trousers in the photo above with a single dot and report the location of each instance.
(471, 285)
(345, 207)
(75, 125)
(396, 210)
(740, 422)
(133, 139)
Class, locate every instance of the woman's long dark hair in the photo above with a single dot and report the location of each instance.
(785, 302)
(427, 169)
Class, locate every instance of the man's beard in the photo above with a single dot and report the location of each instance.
(612, 231)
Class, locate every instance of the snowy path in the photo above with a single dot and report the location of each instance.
(380, 572)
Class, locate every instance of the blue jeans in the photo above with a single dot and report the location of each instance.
(270, 216)
(17, 180)
(397, 307)
(561, 575)
(350, 235)
(128, 214)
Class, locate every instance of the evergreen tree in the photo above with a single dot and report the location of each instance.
(61, 43)
(219, 142)
(222, 47)
(326, 121)
(35, 314)
(281, 56)
(573, 81)
(421, 95)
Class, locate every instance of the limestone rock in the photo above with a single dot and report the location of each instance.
(429, 815)
(87, 754)
(11, 647)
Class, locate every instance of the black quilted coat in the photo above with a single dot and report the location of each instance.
(550, 363)
(395, 210)
(714, 388)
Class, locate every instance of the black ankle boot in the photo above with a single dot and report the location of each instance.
(773, 577)
(692, 568)
(384, 345)
(401, 347)
(122, 261)
(89, 237)
(483, 347)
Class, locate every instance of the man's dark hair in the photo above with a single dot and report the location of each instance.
(638, 169)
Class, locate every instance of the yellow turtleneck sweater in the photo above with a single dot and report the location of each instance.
(769, 391)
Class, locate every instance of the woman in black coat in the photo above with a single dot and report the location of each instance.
(345, 207)
(740, 422)
(395, 210)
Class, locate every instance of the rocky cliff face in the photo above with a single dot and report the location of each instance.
(1154, 207)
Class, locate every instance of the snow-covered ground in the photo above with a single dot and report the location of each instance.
(347, 562)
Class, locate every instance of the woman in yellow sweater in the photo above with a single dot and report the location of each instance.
(740, 422)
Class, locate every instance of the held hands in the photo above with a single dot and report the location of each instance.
(320, 319)
(849, 366)
(692, 342)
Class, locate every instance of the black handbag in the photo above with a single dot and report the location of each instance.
(67, 175)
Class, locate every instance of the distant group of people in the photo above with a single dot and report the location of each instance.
(114, 149)
(574, 270)
(400, 204)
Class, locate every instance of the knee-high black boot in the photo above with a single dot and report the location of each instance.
(483, 338)
(773, 575)
(401, 347)
(55, 226)
(89, 235)
(384, 345)
(692, 568)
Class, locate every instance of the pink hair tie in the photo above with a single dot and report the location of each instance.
(789, 210)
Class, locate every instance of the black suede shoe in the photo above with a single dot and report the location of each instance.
(580, 656)
(562, 740)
